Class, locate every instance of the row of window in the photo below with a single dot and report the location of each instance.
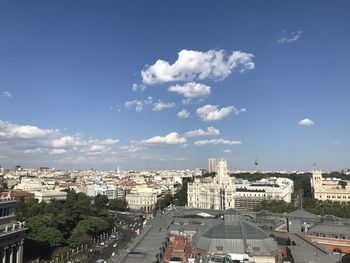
(337, 197)
(259, 195)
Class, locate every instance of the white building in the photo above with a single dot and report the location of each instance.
(218, 194)
(103, 189)
(142, 197)
(333, 189)
(48, 195)
(223, 191)
(250, 194)
(30, 184)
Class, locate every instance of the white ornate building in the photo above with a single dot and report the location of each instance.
(333, 189)
(223, 192)
(250, 194)
(218, 193)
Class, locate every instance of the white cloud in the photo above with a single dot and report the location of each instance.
(107, 141)
(191, 90)
(211, 131)
(68, 141)
(35, 151)
(34, 145)
(227, 151)
(306, 122)
(171, 138)
(138, 104)
(183, 114)
(9, 130)
(213, 113)
(131, 148)
(335, 142)
(138, 87)
(116, 108)
(6, 94)
(97, 148)
(191, 65)
(159, 106)
(289, 37)
(57, 151)
(216, 142)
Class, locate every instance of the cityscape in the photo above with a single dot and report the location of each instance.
(174, 131)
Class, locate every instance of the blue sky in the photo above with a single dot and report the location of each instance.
(265, 79)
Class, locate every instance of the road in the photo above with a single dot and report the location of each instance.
(127, 226)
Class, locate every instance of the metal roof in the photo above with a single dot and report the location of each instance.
(301, 213)
(235, 235)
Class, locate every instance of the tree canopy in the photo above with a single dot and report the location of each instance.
(58, 224)
(118, 204)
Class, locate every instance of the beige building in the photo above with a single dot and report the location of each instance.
(142, 197)
(212, 165)
(216, 194)
(333, 189)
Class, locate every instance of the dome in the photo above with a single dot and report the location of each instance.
(232, 234)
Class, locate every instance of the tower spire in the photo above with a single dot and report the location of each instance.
(256, 163)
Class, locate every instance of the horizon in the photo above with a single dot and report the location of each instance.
(165, 86)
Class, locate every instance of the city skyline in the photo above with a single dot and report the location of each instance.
(169, 85)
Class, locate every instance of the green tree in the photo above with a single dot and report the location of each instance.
(275, 206)
(100, 202)
(89, 227)
(166, 200)
(118, 204)
(181, 196)
(35, 208)
(340, 209)
(48, 235)
(21, 211)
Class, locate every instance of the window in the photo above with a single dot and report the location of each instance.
(219, 248)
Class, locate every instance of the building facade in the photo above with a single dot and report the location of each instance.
(11, 233)
(49, 195)
(219, 194)
(30, 184)
(223, 192)
(333, 189)
(250, 194)
(142, 197)
(212, 165)
(103, 189)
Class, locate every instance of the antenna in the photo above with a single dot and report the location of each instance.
(256, 163)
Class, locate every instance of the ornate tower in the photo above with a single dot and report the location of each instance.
(316, 181)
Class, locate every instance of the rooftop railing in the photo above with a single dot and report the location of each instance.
(7, 229)
(7, 199)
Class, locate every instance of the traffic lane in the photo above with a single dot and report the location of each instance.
(106, 252)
